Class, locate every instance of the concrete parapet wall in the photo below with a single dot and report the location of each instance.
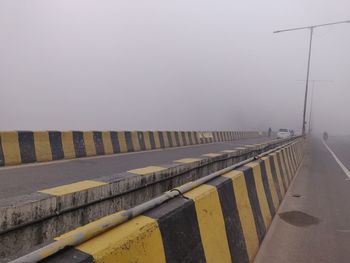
(223, 220)
(39, 217)
(19, 147)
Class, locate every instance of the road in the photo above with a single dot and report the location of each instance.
(313, 222)
(19, 180)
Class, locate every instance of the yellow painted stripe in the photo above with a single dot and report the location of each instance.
(71, 188)
(264, 206)
(285, 158)
(187, 160)
(68, 145)
(212, 154)
(138, 240)
(273, 190)
(283, 172)
(156, 140)
(279, 176)
(135, 141)
(10, 148)
(122, 142)
(211, 223)
(166, 140)
(290, 163)
(147, 170)
(173, 139)
(89, 144)
(42, 146)
(147, 140)
(107, 142)
(245, 213)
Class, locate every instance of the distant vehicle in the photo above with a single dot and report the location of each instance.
(291, 132)
(325, 136)
(283, 134)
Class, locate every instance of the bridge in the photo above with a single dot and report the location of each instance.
(172, 197)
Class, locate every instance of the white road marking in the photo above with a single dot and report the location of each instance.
(346, 171)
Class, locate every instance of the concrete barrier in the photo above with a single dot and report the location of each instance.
(19, 147)
(224, 220)
(39, 217)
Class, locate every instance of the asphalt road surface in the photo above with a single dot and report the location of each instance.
(24, 179)
(313, 222)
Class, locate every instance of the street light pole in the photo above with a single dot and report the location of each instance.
(311, 101)
(312, 96)
(311, 28)
(307, 79)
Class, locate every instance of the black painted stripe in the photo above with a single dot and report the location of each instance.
(286, 160)
(98, 141)
(56, 145)
(115, 142)
(275, 178)
(267, 189)
(234, 231)
(70, 255)
(178, 224)
(2, 159)
(281, 173)
(26, 146)
(283, 155)
(189, 135)
(177, 139)
(254, 202)
(215, 136)
(284, 176)
(79, 144)
(289, 159)
(128, 141)
(292, 156)
(169, 139)
(142, 141)
(219, 136)
(161, 139)
(183, 135)
(151, 139)
(196, 138)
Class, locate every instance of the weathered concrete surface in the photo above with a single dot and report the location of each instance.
(49, 216)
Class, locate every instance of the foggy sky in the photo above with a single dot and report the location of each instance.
(171, 65)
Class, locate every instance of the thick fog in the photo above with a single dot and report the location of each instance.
(168, 65)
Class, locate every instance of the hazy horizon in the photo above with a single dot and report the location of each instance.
(162, 65)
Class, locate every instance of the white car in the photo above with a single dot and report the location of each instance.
(283, 134)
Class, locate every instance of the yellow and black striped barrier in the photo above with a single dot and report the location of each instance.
(20, 147)
(222, 220)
